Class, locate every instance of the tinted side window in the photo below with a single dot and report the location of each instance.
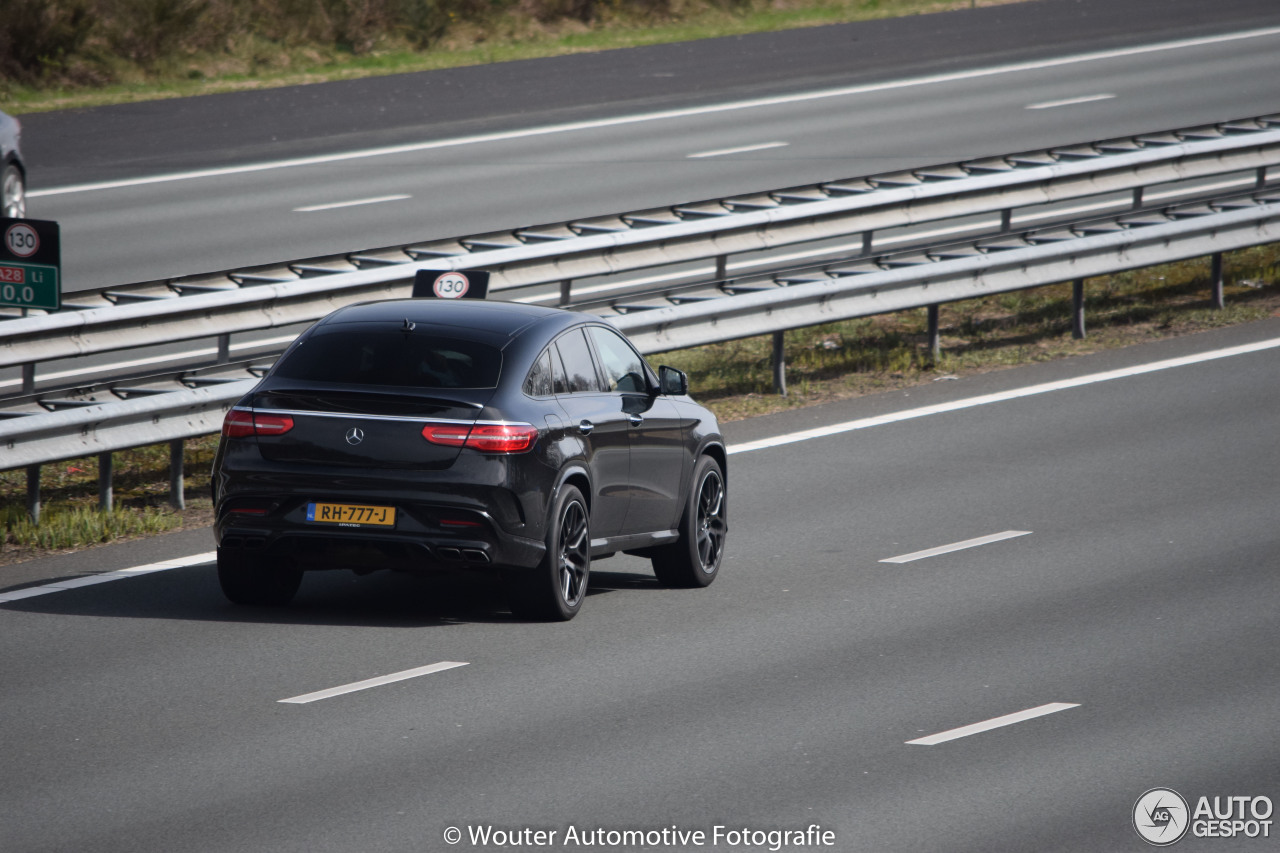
(538, 382)
(559, 379)
(578, 363)
(623, 369)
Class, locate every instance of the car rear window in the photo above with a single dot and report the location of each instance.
(396, 358)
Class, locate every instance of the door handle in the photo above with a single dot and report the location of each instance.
(636, 420)
(585, 427)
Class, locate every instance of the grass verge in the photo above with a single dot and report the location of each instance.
(70, 519)
(825, 363)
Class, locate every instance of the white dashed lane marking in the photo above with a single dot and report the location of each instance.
(724, 152)
(988, 725)
(374, 682)
(356, 203)
(957, 546)
(1070, 102)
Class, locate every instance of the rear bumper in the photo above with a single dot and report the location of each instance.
(475, 514)
(363, 550)
(429, 532)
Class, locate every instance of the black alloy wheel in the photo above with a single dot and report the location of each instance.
(556, 588)
(575, 554)
(695, 560)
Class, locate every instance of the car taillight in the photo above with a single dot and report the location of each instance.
(237, 424)
(450, 435)
(487, 438)
(241, 424)
(271, 424)
(502, 438)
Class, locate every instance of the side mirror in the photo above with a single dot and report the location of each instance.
(674, 383)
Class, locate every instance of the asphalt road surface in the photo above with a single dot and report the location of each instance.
(1125, 597)
(168, 188)
(1113, 609)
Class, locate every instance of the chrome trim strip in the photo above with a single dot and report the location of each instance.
(398, 418)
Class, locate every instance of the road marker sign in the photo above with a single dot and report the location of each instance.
(30, 264)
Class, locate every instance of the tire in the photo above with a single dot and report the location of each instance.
(695, 560)
(252, 580)
(14, 193)
(556, 588)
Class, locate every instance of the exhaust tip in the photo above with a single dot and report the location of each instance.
(475, 555)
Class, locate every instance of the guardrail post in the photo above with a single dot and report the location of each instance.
(566, 292)
(1006, 219)
(1219, 299)
(33, 493)
(1137, 198)
(722, 267)
(1077, 309)
(780, 363)
(866, 242)
(29, 378)
(105, 496)
(1262, 177)
(935, 338)
(177, 499)
(224, 348)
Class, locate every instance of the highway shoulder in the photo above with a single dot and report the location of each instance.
(945, 390)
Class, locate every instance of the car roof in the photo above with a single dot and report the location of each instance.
(494, 322)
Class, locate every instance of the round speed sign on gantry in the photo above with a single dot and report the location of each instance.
(22, 240)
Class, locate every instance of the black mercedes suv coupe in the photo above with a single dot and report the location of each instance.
(425, 434)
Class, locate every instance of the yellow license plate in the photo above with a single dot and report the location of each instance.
(352, 515)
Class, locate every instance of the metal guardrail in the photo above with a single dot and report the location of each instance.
(852, 288)
(117, 425)
(933, 280)
(1150, 240)
(302, 292)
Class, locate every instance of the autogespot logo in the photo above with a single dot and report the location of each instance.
(1160, 816)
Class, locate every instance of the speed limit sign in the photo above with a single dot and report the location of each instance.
(30, 264)
(21, 240)
(451, 284)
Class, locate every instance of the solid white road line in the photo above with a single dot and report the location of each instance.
(374, 682)
(776, 441)
(958, 546)
(661, 116)
(998, 722)
(89, 580)
(1002, 396)
(764, 146)
(1070, 102)
(358, 202)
